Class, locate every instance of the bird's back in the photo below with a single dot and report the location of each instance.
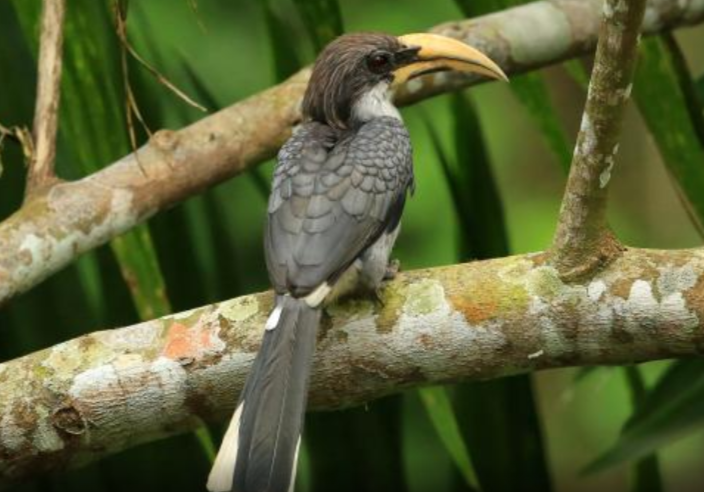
(334, 193)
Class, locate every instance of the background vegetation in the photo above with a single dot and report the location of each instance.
(523, 433)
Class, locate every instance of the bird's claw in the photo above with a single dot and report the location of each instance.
(392, 269)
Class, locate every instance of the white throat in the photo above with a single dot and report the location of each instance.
(375, 104)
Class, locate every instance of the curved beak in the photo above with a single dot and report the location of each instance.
(437, 53)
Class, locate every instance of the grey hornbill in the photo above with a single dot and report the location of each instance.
(334, 212)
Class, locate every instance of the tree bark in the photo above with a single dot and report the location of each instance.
(58, 224)
(40, 171)
(583, 241)
(111, 390)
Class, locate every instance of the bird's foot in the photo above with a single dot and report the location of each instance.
(392, 269)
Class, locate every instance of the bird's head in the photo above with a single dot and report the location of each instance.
(353, 75)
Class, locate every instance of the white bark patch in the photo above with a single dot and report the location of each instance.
(652, 18)
(676, 280)
(140, 337)
(595, 290)
(641, 300)
(42, 254)
(425, 297)
(535, 32)
(587, 142)
(413, 86)
(619, 96)
(130, 392)
(441, 78)
(605, 176)
(545, 290)
(643, 311)
(46, 439)
(12, 436)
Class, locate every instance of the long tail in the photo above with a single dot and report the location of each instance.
(260, 448)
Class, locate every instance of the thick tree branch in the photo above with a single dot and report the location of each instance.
(46, 112)
(111, 390)
(68, 219)
(583, 241)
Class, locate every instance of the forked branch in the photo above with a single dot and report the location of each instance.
(46, 112)
(583, 242)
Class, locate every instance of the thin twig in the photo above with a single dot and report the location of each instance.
(131, 107)
(46, 111)
(6, 132)
(20, 135)
(583, 241)
(121, 19)
(193, 4)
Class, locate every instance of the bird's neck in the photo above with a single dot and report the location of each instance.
(374, 103)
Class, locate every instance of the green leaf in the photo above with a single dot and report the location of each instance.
(439, 409)
(530, 88)
(700, 90)
(576, 70)
(94, 128)
(673, 409)
(647, 471)
(323, 20)
(532, 91)
(499, 420)
(358, 449)
(285, 57)
(427, 464)
(472, 185)
(666, 98)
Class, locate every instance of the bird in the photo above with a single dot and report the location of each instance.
(338, 193)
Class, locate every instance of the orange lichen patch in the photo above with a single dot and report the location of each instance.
(475, 311)
(695, 297)
(488, 295)
(184, 343)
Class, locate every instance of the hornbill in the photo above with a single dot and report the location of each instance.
(334, 212)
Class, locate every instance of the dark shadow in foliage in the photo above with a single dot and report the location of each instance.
(356, 449)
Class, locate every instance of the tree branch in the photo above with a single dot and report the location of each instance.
(46, 112)
(583, 241)
(68, 219)
(111, 390)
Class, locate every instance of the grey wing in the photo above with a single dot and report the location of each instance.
(330, 202)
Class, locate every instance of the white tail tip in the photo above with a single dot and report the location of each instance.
(274, 318)
(292, 485)
(223, 471)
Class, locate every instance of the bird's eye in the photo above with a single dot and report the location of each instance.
(379, 62)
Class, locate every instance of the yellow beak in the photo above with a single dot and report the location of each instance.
(439, 53)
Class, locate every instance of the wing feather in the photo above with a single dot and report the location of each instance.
(333, 195)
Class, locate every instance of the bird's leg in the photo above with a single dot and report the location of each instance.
(392, 269)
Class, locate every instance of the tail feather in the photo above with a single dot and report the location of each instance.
(260, 449)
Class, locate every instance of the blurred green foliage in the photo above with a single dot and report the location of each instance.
(491, 167)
